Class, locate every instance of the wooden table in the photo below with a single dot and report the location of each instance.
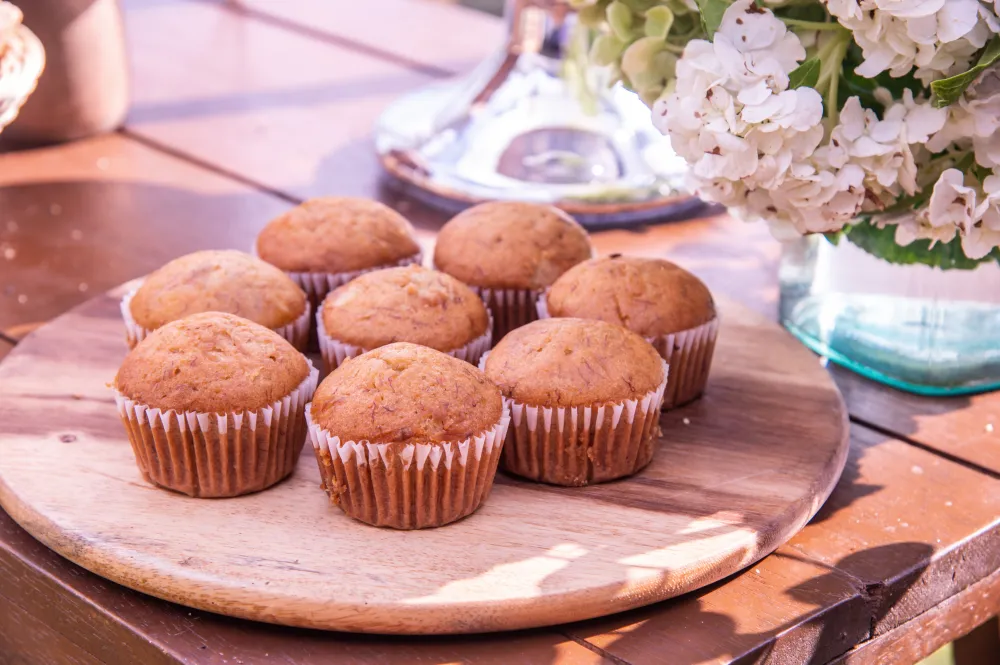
(243, 107)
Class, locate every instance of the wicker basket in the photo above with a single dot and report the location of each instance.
(22, 60)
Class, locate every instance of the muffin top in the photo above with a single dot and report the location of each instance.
(410, 304)
(648, 296)
(574, 362)
(405, 393)
(333, 235)
(211, 363)
(218, 281)
(510, 245)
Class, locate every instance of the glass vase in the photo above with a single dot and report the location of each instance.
(535, 122)
(913, 327)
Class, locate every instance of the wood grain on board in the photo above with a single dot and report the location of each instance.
(99, 621)
(725, 489)
(290, 113)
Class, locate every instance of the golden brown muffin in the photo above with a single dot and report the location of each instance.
(335, 235)
(211, 363)
(407, 437)
(574, 362)
(648, 296)
(406, 393)
(510, 245)
(410, 304)
(218, 281)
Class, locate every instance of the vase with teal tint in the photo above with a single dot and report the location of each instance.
(915, 327)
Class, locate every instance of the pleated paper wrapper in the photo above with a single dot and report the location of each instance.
(689, 354)
(296, 332)
(583, 445)
(408, 486)
(335, 352)
(511, 308)
(318, 284)
(218, 455)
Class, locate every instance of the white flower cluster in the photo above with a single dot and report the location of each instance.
(958, 206)
(937, 37)
(754, 144)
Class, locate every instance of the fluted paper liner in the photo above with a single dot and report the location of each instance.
(582, 445)
(511, 308)
(335, 352)
(318, 284)
(408, 486)
(688, 352)
(216, 455)
(296, 332)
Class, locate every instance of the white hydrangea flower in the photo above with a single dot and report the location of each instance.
(984, 235)
(884, 148)
(937, 37)
(951, 209)
(731, 114)
(974, 121)
(811, 199)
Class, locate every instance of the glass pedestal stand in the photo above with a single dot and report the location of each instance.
(534, 123)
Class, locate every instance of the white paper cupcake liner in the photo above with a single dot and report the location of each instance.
(408, 486)
(335, 352)
(583, 445)
(296, 332)
(318, 284)
(511, 308)
(688, 352)
(216, 455)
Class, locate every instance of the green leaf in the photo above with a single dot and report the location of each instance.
(659, 20)
(711, 14)
(620, 20)
(947, 91)
(606, 50)
(805, 75)
(944, 255)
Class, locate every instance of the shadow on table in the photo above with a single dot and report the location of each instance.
(695, 632)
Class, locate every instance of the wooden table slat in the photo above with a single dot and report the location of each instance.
(87, 216)
(967, 428)
(471, 35)
(909, 528)
(291, 113)
(940, 625)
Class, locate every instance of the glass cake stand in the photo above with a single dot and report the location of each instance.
(534, 123)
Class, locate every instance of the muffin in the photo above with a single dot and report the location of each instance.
(509, 253)
(214, 405)
(584, 397)
(409, 304)
(407, 437)
(327, 242)
(664, 303)
(218, 281)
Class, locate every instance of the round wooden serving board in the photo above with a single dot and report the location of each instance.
(736, 474)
